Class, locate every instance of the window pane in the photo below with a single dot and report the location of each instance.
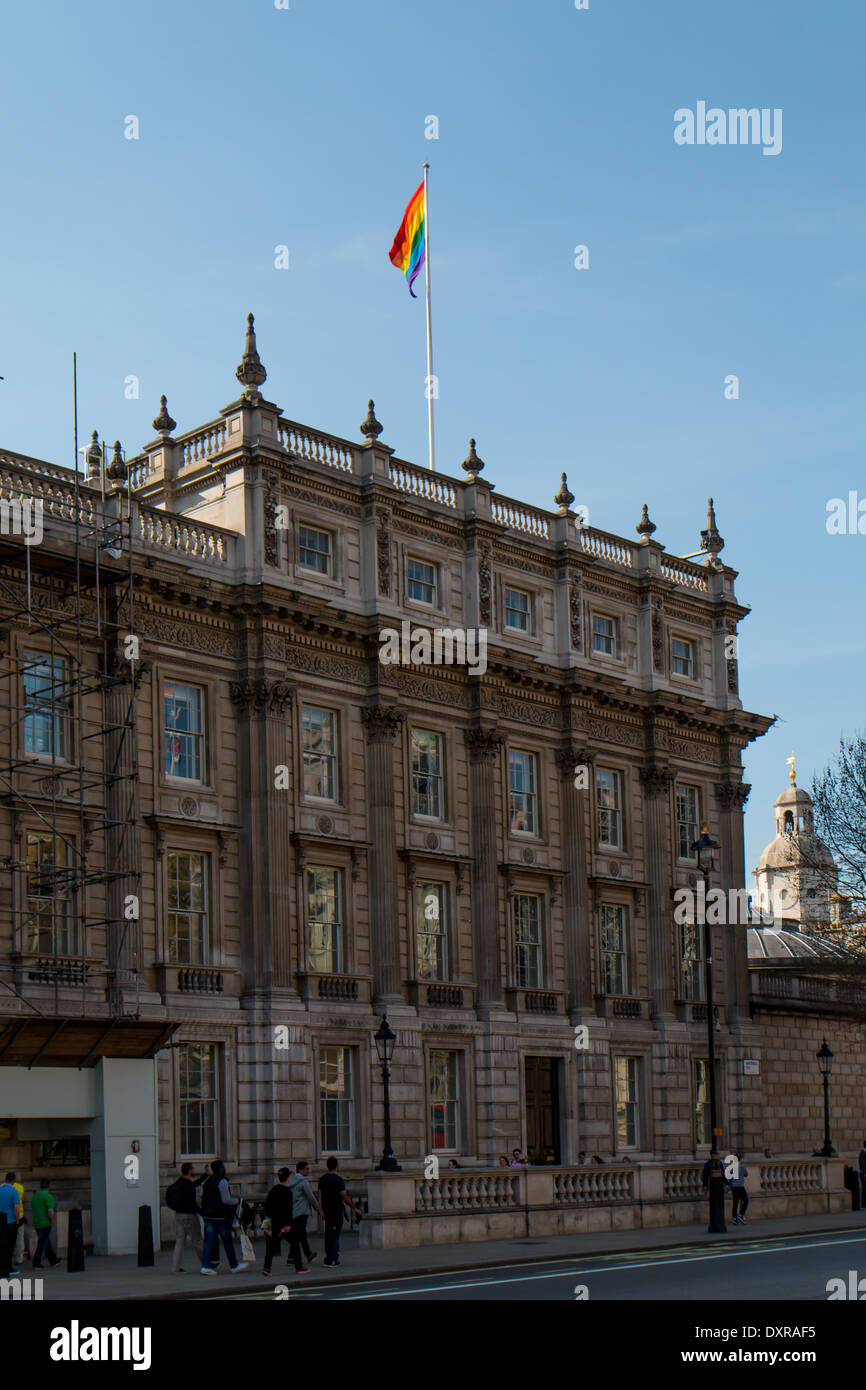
(314, 549)
(199, 1100)
(431, 931)
(187, 908)
(47, 706)
(319, 736)
(687, 821)
(528, 965)
(444, 1101)
(422, 581)
(183, 711)
(682, 657)
(703, 1128)
(613, 949)
(427, 785)
(522, 787)
(626, 1102)
(604, 635)
(335, 1098)
(517, 610)
(49, 923)
(608, 800)
(324, 915)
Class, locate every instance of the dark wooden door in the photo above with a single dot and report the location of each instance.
(541, 1098)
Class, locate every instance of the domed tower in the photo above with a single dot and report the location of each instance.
(796, 874)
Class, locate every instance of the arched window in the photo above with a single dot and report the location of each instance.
(789, 822)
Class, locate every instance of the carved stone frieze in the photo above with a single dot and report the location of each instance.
(485, 606)
(732, 796)
(272, 549)
(658, 636)
(383, 551)
(574, 614)
(656, 780)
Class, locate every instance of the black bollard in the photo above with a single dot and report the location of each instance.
(145, 1237)
(75, 1242)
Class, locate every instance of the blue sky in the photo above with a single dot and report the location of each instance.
(305, 127)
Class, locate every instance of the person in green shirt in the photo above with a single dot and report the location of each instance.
(42, 1207)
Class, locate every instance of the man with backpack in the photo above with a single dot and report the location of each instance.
(218, 1208)
(181, 1199)
(278, 1212)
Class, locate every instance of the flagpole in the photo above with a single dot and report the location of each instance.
(429, 332)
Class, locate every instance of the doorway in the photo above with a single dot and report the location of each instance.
(541, 1109)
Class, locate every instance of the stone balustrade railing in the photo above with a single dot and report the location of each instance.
(683, 572)
(184, 536)
(53, 489)
(497, 1203)
(606, 547)
(810, 989)
(312, 444)
(420, 482)
(529, 521)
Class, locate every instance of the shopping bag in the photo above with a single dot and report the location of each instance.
(247, 1251)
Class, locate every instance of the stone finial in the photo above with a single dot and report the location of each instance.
(711, 541)
(93, 459)
(563, 498)
(116, 470)
(163, 421)
(472, 464)
(251, 373)
(645, 527)
(371, 427)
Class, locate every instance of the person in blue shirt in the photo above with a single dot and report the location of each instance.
(10, 1211)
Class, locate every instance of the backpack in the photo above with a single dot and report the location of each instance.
(171, 1195)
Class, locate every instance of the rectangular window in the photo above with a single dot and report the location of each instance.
(688, 809)
(325, 919)
(528, 964)
(427, 780)
(315, 550)
(608, 791)
(336, 1099)
(522, 786)
(431, 931)
(47, 706)
(422, 582)
(444, 1101)
(627, 1106)
(703, 1128)
(692, 960)
(604, 635)
(199, 1098)
(187, 901)
(613, 950)
(183, 718)
(682, 658)
(517, 610)
(50, 922)
(319, 737)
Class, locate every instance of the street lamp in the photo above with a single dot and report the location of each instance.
(385, 1040)
(704, 850)
(825, 1061)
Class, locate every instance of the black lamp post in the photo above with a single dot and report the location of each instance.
(825, 1062)
(385, 1040)
(704, 850)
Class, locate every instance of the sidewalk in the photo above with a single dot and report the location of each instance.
(118, 1277)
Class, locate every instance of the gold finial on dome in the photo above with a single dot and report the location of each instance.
(791, 761)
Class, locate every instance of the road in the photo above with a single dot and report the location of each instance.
(766, 1268)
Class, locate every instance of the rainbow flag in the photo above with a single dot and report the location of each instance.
(409, 251)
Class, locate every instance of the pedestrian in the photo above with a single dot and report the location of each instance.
(503, 1161)
(739, 1195)
(707, 1168)
(278, 1215)
(863, 1174)
(452, 1163)
(42, 1206)
(303, 1205)
(181, 1199)
(18, 1250)
(517, 1159)
(581, 1158)
(10, 1211)
(332, 1198)
(599, 1162)
(218, 1208)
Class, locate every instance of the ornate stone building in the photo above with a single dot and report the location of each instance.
(320, 836)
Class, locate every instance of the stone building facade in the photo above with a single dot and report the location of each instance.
(322, 837)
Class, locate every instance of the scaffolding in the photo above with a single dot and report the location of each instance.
(69, 680)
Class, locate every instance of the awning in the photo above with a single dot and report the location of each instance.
(79, 1042)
